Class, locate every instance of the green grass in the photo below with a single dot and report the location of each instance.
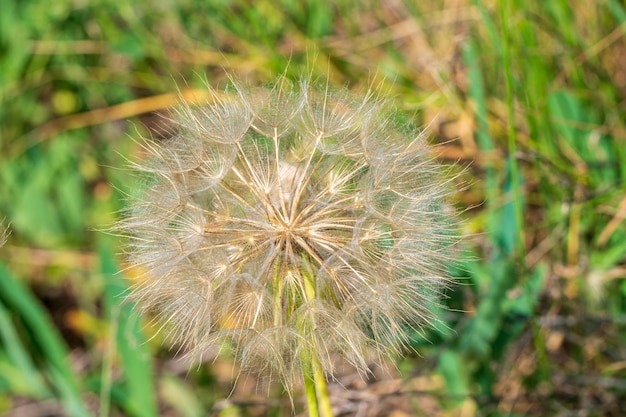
(527, 96)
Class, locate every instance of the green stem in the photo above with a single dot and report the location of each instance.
(311, 395)
(278, 298)
(322, 405)
(321, 389)
(511, 135)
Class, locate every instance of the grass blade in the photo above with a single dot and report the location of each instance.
(139, 398)
(15, 295)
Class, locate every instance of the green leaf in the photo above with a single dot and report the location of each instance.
(139, 391)
(179, 396)
(18, 367)
(14, 295)
(476, 340)
(506, 233)
(454, 372)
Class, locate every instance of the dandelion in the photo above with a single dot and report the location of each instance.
(291, 224)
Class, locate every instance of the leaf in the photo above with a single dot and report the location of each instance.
(139, 391)
(17, 366)
(179, 395)
(14, 295)
(506, 233)
(453, 370)
(476, 340)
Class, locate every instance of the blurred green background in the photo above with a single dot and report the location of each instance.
(527, 96)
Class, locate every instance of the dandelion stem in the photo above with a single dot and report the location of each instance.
(311, 392)
(312, 361)
(278, 296)
(321, 388)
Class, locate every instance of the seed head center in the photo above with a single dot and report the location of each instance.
(289, 229)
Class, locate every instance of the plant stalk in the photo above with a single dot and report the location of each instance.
(322, 399)
(311, 394)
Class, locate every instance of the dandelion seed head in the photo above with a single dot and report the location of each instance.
(287, 221)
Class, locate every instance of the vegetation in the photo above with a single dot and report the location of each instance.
(525, 98)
